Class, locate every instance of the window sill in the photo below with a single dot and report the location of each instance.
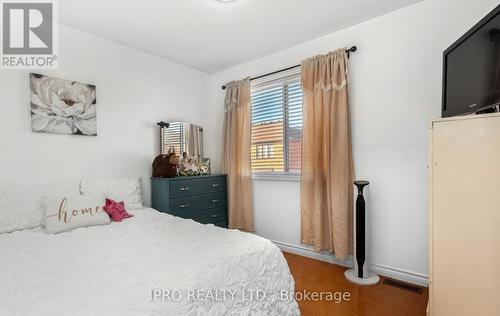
(286, 177)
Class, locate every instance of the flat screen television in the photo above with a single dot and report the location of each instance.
(471, 70)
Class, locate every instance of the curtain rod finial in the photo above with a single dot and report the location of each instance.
(163, 124)
(351, 50)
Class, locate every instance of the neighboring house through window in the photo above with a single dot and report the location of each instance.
(264, 151)
(277, 126)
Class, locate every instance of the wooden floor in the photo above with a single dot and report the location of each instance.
(380, 299)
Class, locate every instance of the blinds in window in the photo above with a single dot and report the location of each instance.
(174, 136)
(277, 126)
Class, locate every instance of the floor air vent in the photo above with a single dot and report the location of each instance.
(404, 286)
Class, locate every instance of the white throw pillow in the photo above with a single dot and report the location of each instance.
(21, 205)
(64, 213)
(126, 190)
(19, 208)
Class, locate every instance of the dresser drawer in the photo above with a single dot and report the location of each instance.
(199, 202)
(195, 186)
(215, 184)
(208, 216)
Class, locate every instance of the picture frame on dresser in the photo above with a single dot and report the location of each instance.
(200, 198)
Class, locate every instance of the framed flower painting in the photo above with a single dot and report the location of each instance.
(61, 106)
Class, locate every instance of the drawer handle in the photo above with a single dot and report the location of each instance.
(215, 215)
(215, 185)
(184, 205)
(184, 189)
(215, 201)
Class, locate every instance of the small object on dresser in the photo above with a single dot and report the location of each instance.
(188, 166)
(205, 166)
(166, 166)
(192, 166)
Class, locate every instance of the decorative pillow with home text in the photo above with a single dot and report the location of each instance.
(64, 213)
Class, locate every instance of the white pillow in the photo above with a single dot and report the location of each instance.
(21, 205)
(19, 208)
(70, 187)
(64, 213)
(126, 190)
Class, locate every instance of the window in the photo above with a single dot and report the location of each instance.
(264, 151)
(277, 126)
(174, 136)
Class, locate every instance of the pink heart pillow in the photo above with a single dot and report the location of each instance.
(116, 210)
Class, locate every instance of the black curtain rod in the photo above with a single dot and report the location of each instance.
(349, 51)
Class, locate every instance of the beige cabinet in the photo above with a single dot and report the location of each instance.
(464, 216)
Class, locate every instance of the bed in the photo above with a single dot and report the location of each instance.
(150, 264)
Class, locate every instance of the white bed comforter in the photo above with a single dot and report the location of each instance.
(112, 270)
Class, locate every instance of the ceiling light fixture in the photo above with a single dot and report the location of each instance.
(226, 1)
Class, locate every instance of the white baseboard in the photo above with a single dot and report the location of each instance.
(390, 272)
(400, 274)
(311, 253)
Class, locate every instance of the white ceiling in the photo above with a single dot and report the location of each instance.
(212, 36)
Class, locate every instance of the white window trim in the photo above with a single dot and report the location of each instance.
(276, 176)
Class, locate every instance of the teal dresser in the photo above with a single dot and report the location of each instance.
(200, 198)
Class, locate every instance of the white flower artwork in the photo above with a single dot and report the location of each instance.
(62, 107)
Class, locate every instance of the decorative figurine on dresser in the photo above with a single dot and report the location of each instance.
(166, 165)
(200, 197)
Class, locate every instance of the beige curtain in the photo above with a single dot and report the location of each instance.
(327, 169)
(236, 160)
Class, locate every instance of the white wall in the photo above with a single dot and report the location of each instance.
(134, 91)
(395, 90)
